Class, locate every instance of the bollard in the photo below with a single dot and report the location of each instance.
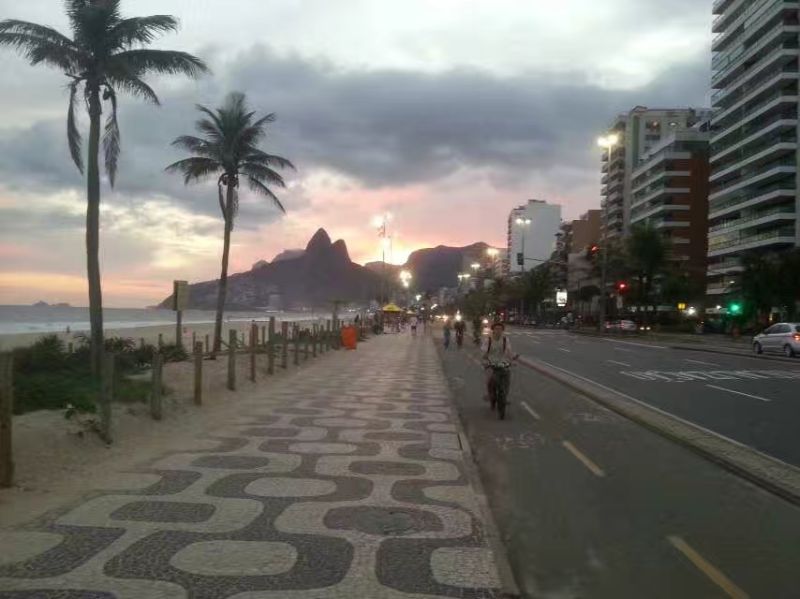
(198, 373)
(263, 335)
(156, 388)
(271, 346)
(160, 341)
(253, 344)
(207, 345)
(232, 360)
(306, 342)
(285, 345)
(106, 396)
(6, 411)
(194, 340)
(296, 339)
(141, 343)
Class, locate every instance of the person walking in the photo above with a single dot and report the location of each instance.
(448, 330)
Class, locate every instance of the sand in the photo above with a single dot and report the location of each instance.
(55, 465)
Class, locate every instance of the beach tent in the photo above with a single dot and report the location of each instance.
(392, 309)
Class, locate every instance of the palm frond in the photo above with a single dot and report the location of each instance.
(195, 168)
(34, 30)
(259, 187)
(111, 139)
(141, 30)
(196, 145)
(132, 85)
(91, 20)
(73, 135)
(255, 155)
(165, 62)
(48, 47)
(263, 173)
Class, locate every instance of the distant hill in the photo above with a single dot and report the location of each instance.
(323, 272)
(434, 268)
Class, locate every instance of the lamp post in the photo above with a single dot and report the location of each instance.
(381, 223)
(523, 224)
(609, 142)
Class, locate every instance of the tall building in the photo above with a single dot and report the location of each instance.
(637, 132)
(532, 230)
(669, 192)
(754, 203)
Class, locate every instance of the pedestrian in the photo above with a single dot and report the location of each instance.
(414, 322)
(448, 329)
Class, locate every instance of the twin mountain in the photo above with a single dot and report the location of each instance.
(323, 272)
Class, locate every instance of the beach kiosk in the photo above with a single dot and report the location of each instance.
(392, 316)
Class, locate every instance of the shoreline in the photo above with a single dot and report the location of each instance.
(150, 333)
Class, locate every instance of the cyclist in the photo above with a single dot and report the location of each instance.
(448, 329)
(497, 359)
(459, 327)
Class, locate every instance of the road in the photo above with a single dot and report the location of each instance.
(748, 399)
(592, 505)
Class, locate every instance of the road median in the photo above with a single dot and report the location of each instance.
(769, 473)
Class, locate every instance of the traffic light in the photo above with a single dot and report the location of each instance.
(735, 308)
(592, 251)
(622, 286)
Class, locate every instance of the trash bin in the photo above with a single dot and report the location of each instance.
(349, 337)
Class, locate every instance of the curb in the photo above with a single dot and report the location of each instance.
(508, 584)
(769, 473)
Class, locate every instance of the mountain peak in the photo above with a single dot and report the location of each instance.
(320, 240)
(340, 249)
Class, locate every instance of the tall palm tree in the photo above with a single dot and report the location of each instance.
(105, 54)
(229, 150)
(647, 255)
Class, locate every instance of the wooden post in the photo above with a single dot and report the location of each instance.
(232, 360)
(106, 396)
(70, 347)
(156, 411)
(194, 340)
(271, 346)
(198, 373)
(306, 342)
(296, 339)
(263, 335)
(141, 343)
(6, 411)
(207, 345)
(160, 341)
(328, 331)
(314, 341)
(253, 344)
(285, 345)
(179, 328)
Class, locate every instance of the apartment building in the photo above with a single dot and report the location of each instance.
(532, 230)
(754, 203)
(669, 192)
(637, 132)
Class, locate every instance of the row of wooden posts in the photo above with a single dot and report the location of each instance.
(303, 344)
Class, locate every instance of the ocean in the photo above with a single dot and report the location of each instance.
(56, 319)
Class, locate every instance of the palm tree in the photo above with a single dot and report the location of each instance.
(229, 150)
(105, 54)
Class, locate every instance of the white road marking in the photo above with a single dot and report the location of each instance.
(739, 393)
(623, 349)
(618, 363)
(583, 459)
(701, 362)
(530, 411)
(565, 350)
(647, 345)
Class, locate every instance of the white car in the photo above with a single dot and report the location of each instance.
(782, 337)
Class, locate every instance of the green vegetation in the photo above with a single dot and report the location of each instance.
(47, 377)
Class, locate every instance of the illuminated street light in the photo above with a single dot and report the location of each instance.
(608, 143)
(492, 253)
(418, 296)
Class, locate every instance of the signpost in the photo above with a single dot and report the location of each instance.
(561, 298)
(180, 300)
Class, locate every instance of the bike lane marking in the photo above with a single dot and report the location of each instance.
(530, 410)
(618, 363)
(584, 459)
(707, 568)
(739, 393)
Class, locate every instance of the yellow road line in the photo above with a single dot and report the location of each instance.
(707, 568)
(530, 411)
(594, 468)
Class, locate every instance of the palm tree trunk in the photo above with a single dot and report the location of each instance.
(223, 277)
(93, 234)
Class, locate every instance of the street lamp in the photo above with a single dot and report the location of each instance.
(523, 224)
(475, 266)
(381, 223)
(608, 142)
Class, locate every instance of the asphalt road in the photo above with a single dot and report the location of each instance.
(590, 505)
(748, 399)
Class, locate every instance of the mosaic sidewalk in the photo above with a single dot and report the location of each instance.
(346, 480)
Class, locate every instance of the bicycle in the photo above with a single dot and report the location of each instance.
(499, 386)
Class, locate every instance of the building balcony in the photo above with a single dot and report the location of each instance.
(778, 131)
(726, 15)
(763, 196)
(727, 65)
(754, 19)
(642, 215)
(721, 6)
(645, 182)
(759, 219)
(660, 191)
(757, 177)
(667, 223)
(765, 156)
(782, 237)
(759, 117)
(656, 161)
(750, 86)
(729, 265)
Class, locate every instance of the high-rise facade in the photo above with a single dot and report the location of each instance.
(669, 192)
(754, 202)
(532, 230)
(637, 132)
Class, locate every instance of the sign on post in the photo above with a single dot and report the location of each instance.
(561, 298)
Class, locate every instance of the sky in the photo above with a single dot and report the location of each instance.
(445, 113)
